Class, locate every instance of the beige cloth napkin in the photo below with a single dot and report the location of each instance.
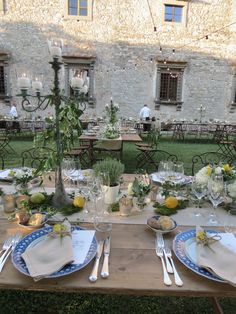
(49, 255)
(218, 259)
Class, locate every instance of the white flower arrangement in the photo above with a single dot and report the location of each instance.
(231, 188)
(203, 175)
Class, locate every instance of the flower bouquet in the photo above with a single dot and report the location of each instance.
(23, 177)
(112, 129)
(139, 189)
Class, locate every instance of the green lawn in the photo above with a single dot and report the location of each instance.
(184, 152)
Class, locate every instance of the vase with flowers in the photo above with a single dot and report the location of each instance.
(112, 129)
(139, 189)
(22, 179)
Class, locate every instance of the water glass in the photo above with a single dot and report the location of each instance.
(199, 190)
(179, 167)
(229, 223)
(101, 217)
(216, 193)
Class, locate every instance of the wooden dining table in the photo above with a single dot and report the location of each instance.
(125, 137)
(134, 269)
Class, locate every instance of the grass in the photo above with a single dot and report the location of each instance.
(183, 150)
(26, 302)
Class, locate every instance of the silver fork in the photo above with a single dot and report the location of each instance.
(16, 238)
(178, 281)
(6, 244)
(161, 244)
(167, 280)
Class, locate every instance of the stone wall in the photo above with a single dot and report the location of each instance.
(121, 37)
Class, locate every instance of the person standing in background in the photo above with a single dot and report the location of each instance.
(13, 111)
(144, 116)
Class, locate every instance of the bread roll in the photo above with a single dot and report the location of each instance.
(36, 219)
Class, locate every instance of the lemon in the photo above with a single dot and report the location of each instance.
(79, 201)
(171, 202)
(37, 198)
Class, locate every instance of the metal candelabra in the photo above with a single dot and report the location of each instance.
(55, 99)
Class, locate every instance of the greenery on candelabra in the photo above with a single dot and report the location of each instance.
(70, 126)
(60, 132)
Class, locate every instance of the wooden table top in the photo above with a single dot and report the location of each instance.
(134, 269)
(129, 137)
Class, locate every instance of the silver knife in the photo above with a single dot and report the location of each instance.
(105, 266)
(94, 274)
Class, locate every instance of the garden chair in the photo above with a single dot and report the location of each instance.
(82, 153)
(35, 157)
(151, 158)
(199, 161)
(108, 148)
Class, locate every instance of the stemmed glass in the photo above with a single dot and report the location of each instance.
(85, 190)
(165, 169)
(68, 166)
(199, 190)
(75, 174)
(216, 193)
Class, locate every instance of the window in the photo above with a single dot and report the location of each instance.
(169, 84)
(2, 81)
(4, 76)
(79, 9)
(173, 13)
(81, 65)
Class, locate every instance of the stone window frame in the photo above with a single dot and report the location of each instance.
(88, 17)
(80, 63)
(233, 96)
(175, 68)
(5, 63)
(183, 4)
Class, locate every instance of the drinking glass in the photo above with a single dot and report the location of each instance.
(75, 174)
(85, 190)
(165, 169)
(179, 168)
(199, 190)
(229, 223)
(216, 193)
(68, 166)
(101, 217)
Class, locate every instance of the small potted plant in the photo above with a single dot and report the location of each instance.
(139, 189)
(114, 168)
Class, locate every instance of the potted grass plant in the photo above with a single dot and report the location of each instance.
(114, 168)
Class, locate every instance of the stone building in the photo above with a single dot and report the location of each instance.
(176, 56)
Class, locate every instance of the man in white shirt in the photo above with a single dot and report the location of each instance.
(144, 115)
(13, 112)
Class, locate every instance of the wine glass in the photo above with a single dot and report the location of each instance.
(199, 190)
(85, 190)
(229, 223)
(179, 168)
(68, 166)
(216, 193)
(75, 174)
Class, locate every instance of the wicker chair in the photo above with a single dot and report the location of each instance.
(199, 161)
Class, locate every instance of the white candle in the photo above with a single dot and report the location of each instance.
(24, 82)
(77, 82)
(37, 85)
(84, 89)
(55, 51)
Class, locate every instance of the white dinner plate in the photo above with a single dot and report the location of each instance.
(184, 247)
(38, 235)
(176, 178)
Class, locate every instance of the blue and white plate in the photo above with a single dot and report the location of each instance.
(34, 238)
(184, 247)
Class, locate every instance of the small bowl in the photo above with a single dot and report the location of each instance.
(157, 217)
(28, 227)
